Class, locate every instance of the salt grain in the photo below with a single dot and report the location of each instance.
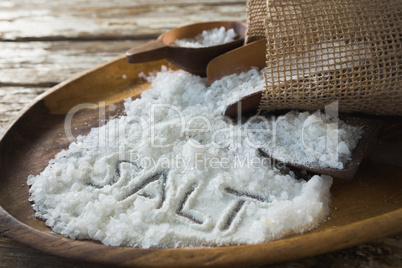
(208, 38)
(309, 139)
(173, 172)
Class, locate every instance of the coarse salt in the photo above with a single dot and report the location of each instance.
(173, 172)
(309, 139)
(208, 38)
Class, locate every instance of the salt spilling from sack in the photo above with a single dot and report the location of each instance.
(173, 172)
(208, 38)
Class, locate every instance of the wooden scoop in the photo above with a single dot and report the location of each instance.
(366, 143)
(234, 62)
(193, 60)
(254, 55)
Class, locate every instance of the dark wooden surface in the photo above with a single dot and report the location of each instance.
(43, 43)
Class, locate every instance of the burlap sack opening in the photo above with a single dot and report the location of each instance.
(321, 51)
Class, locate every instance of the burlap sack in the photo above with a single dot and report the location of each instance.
(256, 14)
(321, 51)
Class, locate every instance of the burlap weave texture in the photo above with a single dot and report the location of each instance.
(256, 14)
(321, 51)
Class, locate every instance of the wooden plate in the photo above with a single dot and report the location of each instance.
(365, 208)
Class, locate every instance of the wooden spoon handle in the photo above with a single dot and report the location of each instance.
(153, 50)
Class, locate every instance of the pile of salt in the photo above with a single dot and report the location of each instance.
(173, 172)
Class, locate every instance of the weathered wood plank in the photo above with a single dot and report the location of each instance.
(10, 4)
(91, 20)
(14, 254)
(28, 69)
(48, 63)
(383, 252)
(13, 99)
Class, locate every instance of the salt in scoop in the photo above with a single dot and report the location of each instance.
(193, 60)
(234, 62)
(253, 55)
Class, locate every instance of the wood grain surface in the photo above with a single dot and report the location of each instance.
(43, 43)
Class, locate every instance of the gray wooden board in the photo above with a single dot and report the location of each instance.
(44, 42)
(48, 63)
(40, 20)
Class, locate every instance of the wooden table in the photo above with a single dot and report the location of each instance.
(43, 43)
